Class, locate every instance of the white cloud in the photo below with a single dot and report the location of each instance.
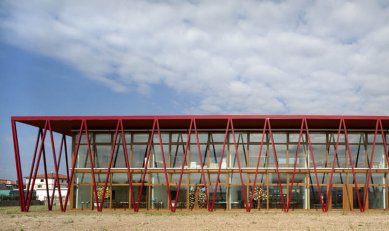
(320, 57)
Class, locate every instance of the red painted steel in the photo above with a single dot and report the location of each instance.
(182, 165)
(128, 166)
(220, 166)
(28, 188)
(385, 143)
(239, 166)
(18, 166)
(74, 159)
(370, 166)
(46, 179)
(314, 165)
(56, 166)
(66, 158)
(146, 165)
(352, 166)
(91, 159)
(64, 124)
(329, 186)
(201, 164)
(41, 149)
(276, 163)
(295, 164)
(164, 167)
(258, 163)
(100, 208)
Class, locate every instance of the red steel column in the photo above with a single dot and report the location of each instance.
(329, 186)
(18, 166)
(385, 144)
(41, 149)
(33, 163)
(146, 164)
(183, 165)
(314, 165)
(100, 207)
(92, 166)
(258, 163)
(239, 166)
(276, 162)
(352, 166)
(75, 156)
(201, 164)
(370, 166)
(66, 158)
(164, 166)
(295, 164)
(127, 164)
(220, 165)
(56, 166)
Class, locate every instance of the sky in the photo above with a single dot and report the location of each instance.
(189, 57)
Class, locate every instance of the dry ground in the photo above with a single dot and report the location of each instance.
(39, 219)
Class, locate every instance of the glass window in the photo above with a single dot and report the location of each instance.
(240, 137)
(235, 178)
(83, 158)
(376, 197)
(318, 138)
(356, 138)
(164, 138)
(103, 138)
(83, 178)
(82, 197)
(181, 138)
(301, 158)
(294, 137)
(281, 155)
(236, 197)
(358, 155)
(242, 154)
(139, 153)
(320, 155)
(141, 137)
(119, 178)
(276, 197)
(279, 137)
(102, 156)
(256, 137)
(120, 197)
(156, 156)
(217, 137)
(177, 155)
(370, 137)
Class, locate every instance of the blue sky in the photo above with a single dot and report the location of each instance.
(190, 57)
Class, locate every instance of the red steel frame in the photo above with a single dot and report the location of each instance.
(46, 126)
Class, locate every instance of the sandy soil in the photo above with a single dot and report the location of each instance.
(12, 219)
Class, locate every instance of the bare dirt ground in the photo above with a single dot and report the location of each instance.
(39, 219)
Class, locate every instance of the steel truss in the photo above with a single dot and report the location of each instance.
(265, 127)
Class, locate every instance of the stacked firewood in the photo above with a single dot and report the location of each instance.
(197, 198)
(259, 195)
(100, 191)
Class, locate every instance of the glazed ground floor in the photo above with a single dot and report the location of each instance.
(233, 189)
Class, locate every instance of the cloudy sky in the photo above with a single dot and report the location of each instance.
(191, 57)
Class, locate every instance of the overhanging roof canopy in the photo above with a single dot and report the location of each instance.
(65, 124)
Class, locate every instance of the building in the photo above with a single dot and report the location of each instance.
(8, 190)
(44, 182)
(249, 162)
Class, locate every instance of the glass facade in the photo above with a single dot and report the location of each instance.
(312, 171)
